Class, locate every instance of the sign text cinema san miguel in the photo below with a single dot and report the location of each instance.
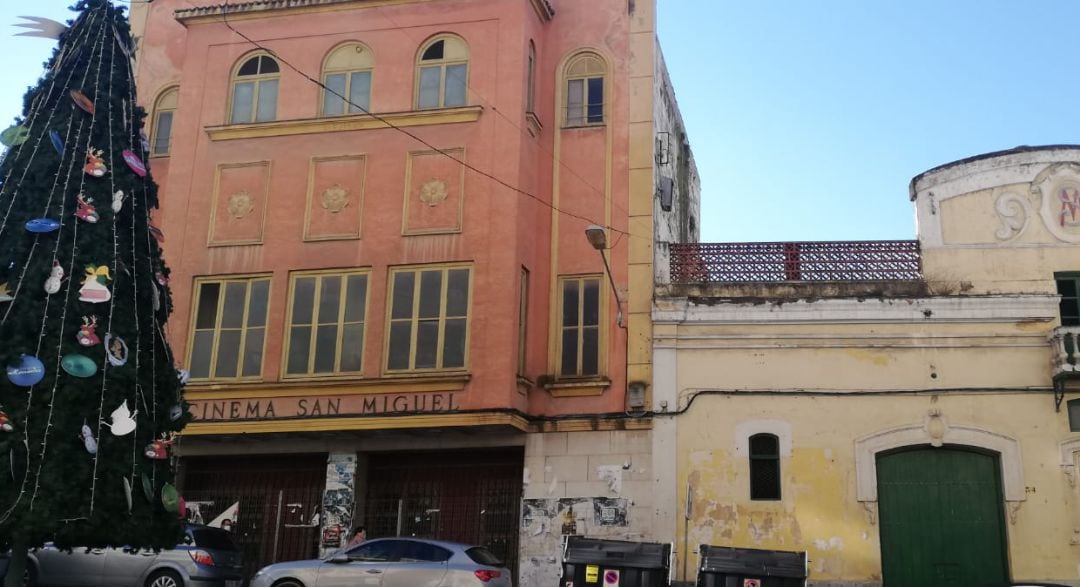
(316, 407)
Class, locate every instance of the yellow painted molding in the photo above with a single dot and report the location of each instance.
(271, 8)
(578, 388)
(336, 386)
(357, 423)
(284, 128)
(587, 425)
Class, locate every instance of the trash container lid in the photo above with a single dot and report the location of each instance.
(751, 561)
(617, 553)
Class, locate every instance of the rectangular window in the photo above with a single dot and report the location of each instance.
(326, 323)
(596, 100)
(764, 467)
(243, 95)
(585, 101)
(575, 100)
(523, 317)
(429, 318)
(267, 108)
(1074, 415)
(579, 343)
(355, 85)
(430, 80)
(332, 104)
(1068, 286)
(230, 328)
(456, 76)
(530, 87)
(162, 132)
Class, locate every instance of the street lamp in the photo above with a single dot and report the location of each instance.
(597, 237)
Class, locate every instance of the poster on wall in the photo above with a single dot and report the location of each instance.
(337, 503)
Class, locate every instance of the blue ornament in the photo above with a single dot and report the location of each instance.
(42, 225)
(29, 371)
(57, 142)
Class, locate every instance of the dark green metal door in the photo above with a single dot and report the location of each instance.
(941, 519)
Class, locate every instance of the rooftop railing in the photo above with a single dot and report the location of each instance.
(699, 263)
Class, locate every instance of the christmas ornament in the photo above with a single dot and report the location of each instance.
(144, 141)
(157, 297)
(95, 164)
(134, 162)
(158, 449)
(78, 365)
(183, 375)
(117, 201)
(57, 142)
(28, 371)
(123, 421)
(170, 498)
(181, 509)
(5, 295)
(5, 422)
(56, 275)
(93, 288)
(156, 233)
(161, 279)
(41, 27)
(13, 136)
(87, 335)
(87, 437)
(116, 350)
(127, 493)
(175, 413)
(85, 210)
(82, 101)
(147, 488)
(41, 225)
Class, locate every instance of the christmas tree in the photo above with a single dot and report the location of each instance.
(90, 399)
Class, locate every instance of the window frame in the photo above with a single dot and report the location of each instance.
(584, 77)
(196, 298)
(256, 80)
(530, 80)
(754, 458)
(172, 92)
(442, 63)
(415, 318)
(327, 71)
(523, 322)
(1072, 410)
(1074, 277)
(286, 345)
(601, 309)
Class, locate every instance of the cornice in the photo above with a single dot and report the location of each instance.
(269, 8)
(281, 128)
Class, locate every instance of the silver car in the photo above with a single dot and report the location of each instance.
(393, 562)
(207, 558)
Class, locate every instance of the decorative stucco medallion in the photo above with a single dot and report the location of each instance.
(433, 192)
(1014, 212)
(335, 198)
(1058, 188)
(241, 204)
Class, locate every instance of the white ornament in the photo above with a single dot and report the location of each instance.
(88, 439)
(123, 421)
(52, 284)
(117, 201)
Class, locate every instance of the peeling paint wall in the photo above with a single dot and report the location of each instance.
(596, 484)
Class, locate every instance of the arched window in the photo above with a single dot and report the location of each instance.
(255, 90)
(442, 73)
(584, 76)
(161, 129)
(764, 467)
(530, 88)
(347, 72)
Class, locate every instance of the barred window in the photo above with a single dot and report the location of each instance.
(764, 467)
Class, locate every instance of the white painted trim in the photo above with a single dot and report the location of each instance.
(868, 447)
(990, 172)
(954, 309)
(1070, 451)
(665, 445)
(744, 430)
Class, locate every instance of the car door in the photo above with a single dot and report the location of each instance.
(360, 566)
(126, 568)
(80, 568)
(418, 564)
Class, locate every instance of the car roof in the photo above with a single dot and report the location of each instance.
(442, 543)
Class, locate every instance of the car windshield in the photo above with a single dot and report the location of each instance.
(213, 539)
(483, 556)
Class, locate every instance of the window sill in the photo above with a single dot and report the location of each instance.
(583, 126)
(578, 387)
(341, 385)
(344, 123)
(160, 155)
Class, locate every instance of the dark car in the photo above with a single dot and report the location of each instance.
(208, 557)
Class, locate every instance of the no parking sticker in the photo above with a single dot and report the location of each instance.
(751, 583)
(611, 578)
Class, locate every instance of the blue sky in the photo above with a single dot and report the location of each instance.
(808, 118)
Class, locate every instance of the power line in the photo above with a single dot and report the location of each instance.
(305, 75)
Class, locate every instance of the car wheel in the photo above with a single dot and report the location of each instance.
(289, 583)
(165, 579)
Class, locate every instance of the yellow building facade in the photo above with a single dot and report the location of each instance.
(900, 411)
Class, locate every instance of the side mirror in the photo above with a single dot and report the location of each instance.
(339, 559)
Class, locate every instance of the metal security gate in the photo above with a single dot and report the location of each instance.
(472, 497)
(277, 502)
(942, 522)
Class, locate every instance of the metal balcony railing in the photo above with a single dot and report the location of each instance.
(1066, 353)
(697, 263)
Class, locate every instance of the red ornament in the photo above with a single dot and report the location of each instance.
(87, 335)
(85, 209)
(95, 165)
(82, 101)
(134, 162)
(5, 422)
(158, 449)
